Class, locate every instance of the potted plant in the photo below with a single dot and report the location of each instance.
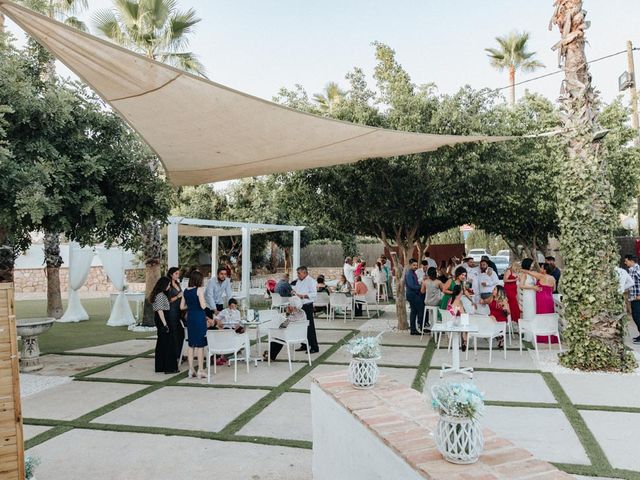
(363, 369)
(458, 435)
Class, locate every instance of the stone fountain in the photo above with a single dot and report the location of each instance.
(29, 329)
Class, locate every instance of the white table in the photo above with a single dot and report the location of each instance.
(455, 331)
(255, 324)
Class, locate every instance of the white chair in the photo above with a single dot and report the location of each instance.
(445, 316)
(295, 333)
(339, 301)
(185, 345)
(278, 301)
(370, 298)
(381, 291)
(487, 328)
(221, 342)
(432, 311)
(271, 319)
(541, 325)
(322, 300)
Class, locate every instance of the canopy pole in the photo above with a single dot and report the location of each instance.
(214, 256)
(296, 250)
(172, 244)
(246, 265)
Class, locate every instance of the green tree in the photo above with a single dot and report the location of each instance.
(594, 311)
(73, 167)
(65, 11)
(512, 54)
(158, 30)
(330, 98)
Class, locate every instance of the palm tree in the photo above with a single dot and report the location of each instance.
(158, 30)
(512, 54)
(155, 28)
(62, 10)
(593, 310)
(330, 98)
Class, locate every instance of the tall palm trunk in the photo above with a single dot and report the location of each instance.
(53, 261)
(512, 84)
(593, 309)
(152, 245)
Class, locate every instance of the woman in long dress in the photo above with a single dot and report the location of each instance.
(458, 279)
(456, 308)
(165, 357)
(527, 291)
(545, 285)
(194, 303)
(510, 280)
(175, 314)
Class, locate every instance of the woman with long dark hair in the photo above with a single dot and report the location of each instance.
(194, 303)
(175, 314)
(165, 344)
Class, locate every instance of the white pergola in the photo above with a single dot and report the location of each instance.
(197, 227)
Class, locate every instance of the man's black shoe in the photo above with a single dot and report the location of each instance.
(301, 348)
(314, 351)
(415, 333)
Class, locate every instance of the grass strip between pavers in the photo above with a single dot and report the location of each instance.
(599, 461)
(44, 436)
(498, 370)
(606, 408)
(117, 380)
(386, 365)
(591, 471)
(423, 367)
(107, 366)
(84, 354)
(244, 418)
(507, 403)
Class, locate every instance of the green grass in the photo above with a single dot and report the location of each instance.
(70, 336)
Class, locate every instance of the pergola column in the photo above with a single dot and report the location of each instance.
(172, 244)
(246, 265)
(296, 250)
(214, 255)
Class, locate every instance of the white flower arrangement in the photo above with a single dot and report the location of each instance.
(458, 399)
(364, 347)
(30, 464)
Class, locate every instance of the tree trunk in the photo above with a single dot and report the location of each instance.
(401, 304)
(593, 309)
(152, 243)
(273, 267)
(53, 261)
(512, 83)
(287, 260)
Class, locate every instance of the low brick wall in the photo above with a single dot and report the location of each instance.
(34, 280)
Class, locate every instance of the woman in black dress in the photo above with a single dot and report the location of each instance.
(175, 314)
(165, 345)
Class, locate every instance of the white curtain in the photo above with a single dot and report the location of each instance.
(113, 264)
(79, 265)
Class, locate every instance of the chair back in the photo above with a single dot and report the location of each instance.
(322, 300)
(272, 319)
(546, 323)
(224, 341)
(278, 300)
(486, 325)
(371, 296)
(296, 332)
(339, 300)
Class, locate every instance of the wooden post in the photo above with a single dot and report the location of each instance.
(11, 439)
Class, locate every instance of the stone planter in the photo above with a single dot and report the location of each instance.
(459, 439)
(29, 329)
(363, 372)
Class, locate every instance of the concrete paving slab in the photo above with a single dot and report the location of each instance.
(136, 369)
(263, 375)
(330, 336)
(545, 432)
(289, 416)
(514, 360)
(69, 365)
(403, 356)
(602, 389)
(126, 348)
(136, 456)
(74, 399)
(582, 477)
(30, 431)
(402, 375)
(403, 338)
(338, 324)
(189, 408)
(500, 386)
(618, 433)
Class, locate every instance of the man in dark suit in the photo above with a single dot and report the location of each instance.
(414, 297)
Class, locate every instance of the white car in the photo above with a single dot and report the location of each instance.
(477, 254)
(504, 253)
(501, 262)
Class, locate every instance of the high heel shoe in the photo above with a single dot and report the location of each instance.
(191, 374)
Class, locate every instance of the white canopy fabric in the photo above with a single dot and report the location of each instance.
(113, 262)
(79, 265)
(205, 132)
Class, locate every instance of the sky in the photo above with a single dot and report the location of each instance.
(258, 46)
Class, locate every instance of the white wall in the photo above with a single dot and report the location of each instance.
(34, 258)
(343, 448)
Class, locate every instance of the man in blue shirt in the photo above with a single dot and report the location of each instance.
(217, 288)
(283, 287)
(634, 292)
(414, 297)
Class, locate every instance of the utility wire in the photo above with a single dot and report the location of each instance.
(562, 71)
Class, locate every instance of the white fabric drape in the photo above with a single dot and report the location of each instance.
(79, 265)
(113, 264)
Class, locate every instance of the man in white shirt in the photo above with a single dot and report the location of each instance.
(421, 273)
(306, 289)
(348, 270)
(626, 282)
(487, 279)
(430, 261)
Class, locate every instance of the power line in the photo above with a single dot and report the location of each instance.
(562, 71)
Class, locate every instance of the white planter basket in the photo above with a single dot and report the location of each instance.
(459, 439)
(363, 372)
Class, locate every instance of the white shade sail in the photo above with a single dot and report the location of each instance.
(205, 132)
(79, 265)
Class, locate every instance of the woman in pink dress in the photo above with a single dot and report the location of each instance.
(511, 290)
(545, 284)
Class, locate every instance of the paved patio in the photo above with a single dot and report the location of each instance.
(126, 422)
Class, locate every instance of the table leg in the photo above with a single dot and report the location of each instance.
(455, 358)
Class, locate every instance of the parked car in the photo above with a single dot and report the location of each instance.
(477, 253)
(504, 253)
(501, 262)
